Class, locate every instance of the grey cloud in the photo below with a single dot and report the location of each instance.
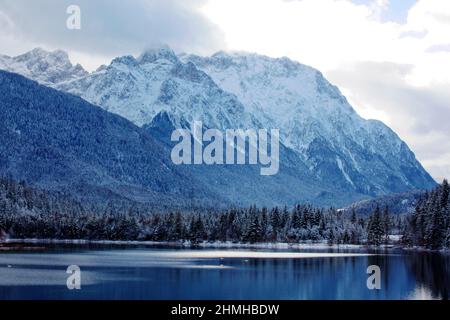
(414, 34)
(114, 27)
(418, 113)
(439, 48)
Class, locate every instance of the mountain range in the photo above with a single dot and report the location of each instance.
(329, 155)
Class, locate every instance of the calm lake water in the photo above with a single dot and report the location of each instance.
(161, 273)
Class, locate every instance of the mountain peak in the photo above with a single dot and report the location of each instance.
(126, 60)
(39, 54)
(46, 67)
(154, 54)
(38, 51)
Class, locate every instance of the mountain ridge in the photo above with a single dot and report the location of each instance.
(43, 66)
(317, 119)
(334, 147)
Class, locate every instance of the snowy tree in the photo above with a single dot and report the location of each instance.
(386, 220)
(253, 233)
(375, 228)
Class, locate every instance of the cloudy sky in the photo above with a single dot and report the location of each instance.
(391, 58)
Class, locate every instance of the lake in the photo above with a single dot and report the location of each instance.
(139, 272)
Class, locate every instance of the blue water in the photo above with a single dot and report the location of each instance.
(152, 273)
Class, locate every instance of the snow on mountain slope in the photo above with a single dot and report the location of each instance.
(335, 149)
(45, 67)
(157, 81)
(317, 121)
(243, 184)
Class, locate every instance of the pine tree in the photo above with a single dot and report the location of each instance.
(331, 237)
(253, 233)
(430, 219)
(346, 237)
(375, 228)
(353, 217)
(317, 217)
(445, 194)
(435, 235)
(296, 219)
(386, 224)
(304, 218)
(275, 221)
(178, 229)
(197, 230)
(264, 224)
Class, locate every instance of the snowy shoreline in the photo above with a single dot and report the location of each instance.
(10, 245)
(187, 244)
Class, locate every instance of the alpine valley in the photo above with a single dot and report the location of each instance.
(106, 134)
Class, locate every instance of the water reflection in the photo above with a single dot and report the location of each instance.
(144, 273)
(432, 273)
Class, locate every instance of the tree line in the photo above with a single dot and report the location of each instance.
(27, 212)
(429, 225)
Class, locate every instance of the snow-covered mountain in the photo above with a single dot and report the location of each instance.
(317, 121)
(157, 81)
(327, 145)
(48, 68)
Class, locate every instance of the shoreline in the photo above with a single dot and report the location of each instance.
(17, 244)
(187, 244)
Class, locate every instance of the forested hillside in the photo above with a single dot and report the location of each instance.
(29, 213)
(58, 141)
(429, 225)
